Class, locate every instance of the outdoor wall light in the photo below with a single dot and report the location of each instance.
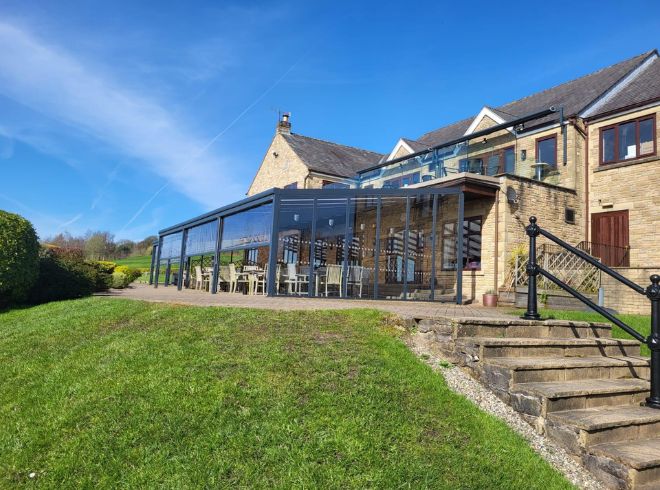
(361, 226)
(523, 155)
(331, 222)
(296, 217)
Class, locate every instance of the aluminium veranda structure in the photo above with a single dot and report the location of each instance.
(405, 244)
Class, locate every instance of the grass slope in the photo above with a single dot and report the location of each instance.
(641, 323)
(139, 261)
(108, 392)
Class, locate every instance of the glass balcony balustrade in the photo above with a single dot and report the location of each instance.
(493, 155)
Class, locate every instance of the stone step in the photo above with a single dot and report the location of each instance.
(479, 348)
(630, 464)
(579, 429)
(503, 372)
(480, 327)
(540, 399)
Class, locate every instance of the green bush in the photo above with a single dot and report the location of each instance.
(119, 280)
(131, 273)
(19, 258)
(64, 274)
(105, 266)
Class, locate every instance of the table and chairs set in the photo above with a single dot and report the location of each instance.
(294, 279)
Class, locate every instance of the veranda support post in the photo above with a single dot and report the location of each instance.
(216, 258)
(152, 264)
(157, 274)
(182, 259)
(272, 253)
(459, 249)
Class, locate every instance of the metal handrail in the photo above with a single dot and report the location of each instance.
(652, 292)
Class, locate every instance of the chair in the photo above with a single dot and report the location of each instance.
(201, 279)
(244, 277)
(262, 280)
(291, 278)
(355, 277)
(227, 273)
(332, 277)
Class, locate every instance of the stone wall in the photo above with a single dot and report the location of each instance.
(623, 299)
(280, 170)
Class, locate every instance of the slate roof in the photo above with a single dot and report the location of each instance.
(331, 158)
(645, 87)
(574, 96)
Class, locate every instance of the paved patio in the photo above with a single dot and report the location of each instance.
(405, 309)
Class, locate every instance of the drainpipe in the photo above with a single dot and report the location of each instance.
(497, 240)
(586, 181)
(564, 134)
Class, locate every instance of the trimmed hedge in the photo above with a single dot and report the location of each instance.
(64, 274)
(19, 258)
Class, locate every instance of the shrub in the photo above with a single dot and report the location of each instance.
(19, 258)
(131, 273)
(119, 280)
(64, 274)
(106, 266)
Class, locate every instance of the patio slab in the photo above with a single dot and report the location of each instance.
(405, 309)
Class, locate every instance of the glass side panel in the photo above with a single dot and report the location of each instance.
(362, 255)
(171, 246)
(391, 259)
(329, 247)
(248, 229)
(445, 259)
(420, 248)
(201, 239)
(293, 246)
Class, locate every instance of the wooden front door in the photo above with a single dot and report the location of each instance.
(609, 238)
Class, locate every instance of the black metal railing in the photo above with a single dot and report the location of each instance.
(652, 292)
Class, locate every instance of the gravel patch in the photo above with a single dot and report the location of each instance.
(463, 384)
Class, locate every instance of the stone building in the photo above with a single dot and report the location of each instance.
(581, 156)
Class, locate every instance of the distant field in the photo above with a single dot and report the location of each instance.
(143, 261)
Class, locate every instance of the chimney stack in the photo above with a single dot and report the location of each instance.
(283, 125)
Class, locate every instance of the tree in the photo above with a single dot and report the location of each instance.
(19, 258)
(99, 245)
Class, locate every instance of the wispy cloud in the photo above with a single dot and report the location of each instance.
(71, 221)
(68, 89)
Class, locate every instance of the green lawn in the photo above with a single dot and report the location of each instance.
(115, 393)
(641, 323)
(139, 261)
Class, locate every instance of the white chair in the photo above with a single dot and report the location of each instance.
(227, 273)
(332, 277)
(262, 280)
(201, 279)
(244, 277)
(291, 278)
(355, 277)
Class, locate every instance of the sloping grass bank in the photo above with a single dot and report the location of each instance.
(107, 392)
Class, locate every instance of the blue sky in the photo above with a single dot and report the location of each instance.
(131, 116)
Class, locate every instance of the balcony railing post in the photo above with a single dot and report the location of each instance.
(653, 293)
(532, 231)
